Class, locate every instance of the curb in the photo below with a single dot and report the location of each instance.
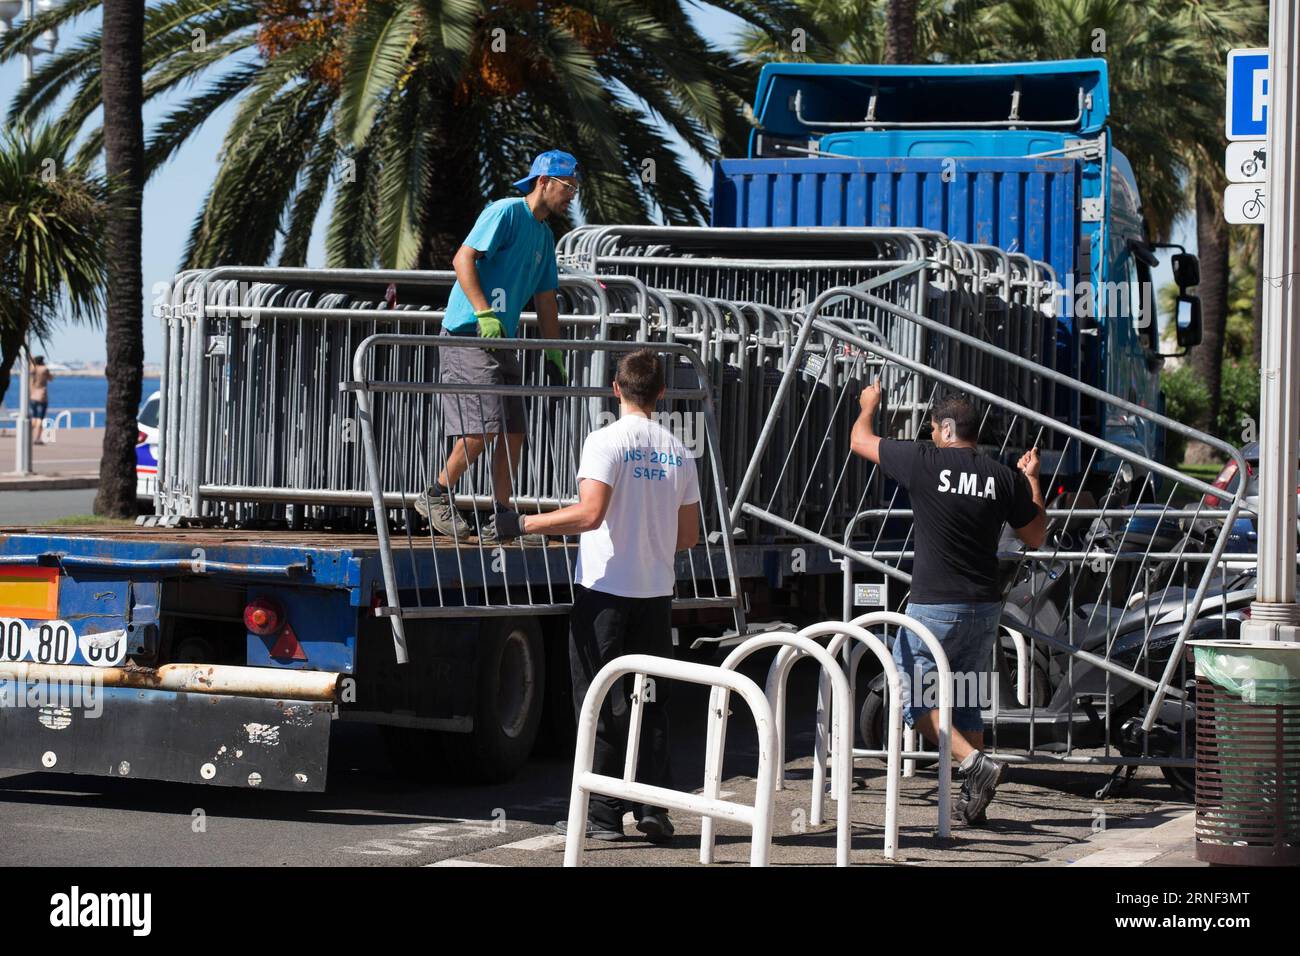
(49, 483)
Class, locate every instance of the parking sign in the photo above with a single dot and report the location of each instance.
(1247, 116)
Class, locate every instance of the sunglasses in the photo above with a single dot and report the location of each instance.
(573, 190)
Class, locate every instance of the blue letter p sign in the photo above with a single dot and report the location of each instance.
(1247, 94)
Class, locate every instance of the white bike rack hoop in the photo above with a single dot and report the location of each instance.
(758, 817)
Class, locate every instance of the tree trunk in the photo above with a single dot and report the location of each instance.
(121, 70)
(13, 334)
(11, 340)
(1212, 246)
(900, 31)
(455, 196)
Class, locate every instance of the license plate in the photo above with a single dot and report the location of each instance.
(31, 593)
(55, 642)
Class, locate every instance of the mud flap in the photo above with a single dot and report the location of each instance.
(259, 742)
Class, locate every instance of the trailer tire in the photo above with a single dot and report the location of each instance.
(511, 676)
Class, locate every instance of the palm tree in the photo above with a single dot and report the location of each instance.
(51, 239)
(1218, 33)
(900, 31)
(121, 78)
(413, 113)
(854, 31)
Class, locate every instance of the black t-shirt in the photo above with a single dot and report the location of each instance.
(960, 498)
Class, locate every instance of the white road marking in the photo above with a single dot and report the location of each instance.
(1118, 856)
(460, 863)
(412, 842)
(543, 842)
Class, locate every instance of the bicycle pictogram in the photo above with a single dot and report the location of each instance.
(1252, 208)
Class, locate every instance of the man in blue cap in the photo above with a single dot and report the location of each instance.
(507, 259)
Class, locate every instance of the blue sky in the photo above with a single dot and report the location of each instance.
(175, 195)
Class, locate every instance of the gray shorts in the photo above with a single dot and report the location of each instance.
(481, 414)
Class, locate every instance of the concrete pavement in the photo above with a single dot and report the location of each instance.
(69, 459)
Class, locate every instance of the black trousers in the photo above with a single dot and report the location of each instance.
(602, 627)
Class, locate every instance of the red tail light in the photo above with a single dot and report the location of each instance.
(141, 438)
(1225, 478)
(263, 617)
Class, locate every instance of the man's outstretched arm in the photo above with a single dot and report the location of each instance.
(864, 440)
(1034, 533)
(587, 515)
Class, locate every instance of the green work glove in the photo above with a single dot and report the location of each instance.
(556, 358)
(489, 326)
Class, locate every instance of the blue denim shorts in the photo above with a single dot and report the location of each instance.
(967, 633)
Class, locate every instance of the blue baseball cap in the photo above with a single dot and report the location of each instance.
(553, 162)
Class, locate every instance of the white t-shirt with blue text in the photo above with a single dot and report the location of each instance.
(652, 476)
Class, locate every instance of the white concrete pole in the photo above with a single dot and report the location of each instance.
(1275, 615)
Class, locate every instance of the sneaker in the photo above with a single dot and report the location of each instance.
(657, 827)
(957, 807)
(982, 780)
(488, 536)
(443, 516)
(594, 832)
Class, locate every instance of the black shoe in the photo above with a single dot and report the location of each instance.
(594, 832)
(657, 828)
(982, 781)
(957, 808)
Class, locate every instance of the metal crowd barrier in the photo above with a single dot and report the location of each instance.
(1109, 571)
(434, 576)
(254, 432)
(1002, 299)
(254, 428)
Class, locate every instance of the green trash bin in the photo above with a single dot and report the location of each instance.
(1248, 753)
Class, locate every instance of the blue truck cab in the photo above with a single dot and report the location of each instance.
(1014, 155)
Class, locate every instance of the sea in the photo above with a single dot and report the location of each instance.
(81, 396)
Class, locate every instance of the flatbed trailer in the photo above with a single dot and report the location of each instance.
(136, 651)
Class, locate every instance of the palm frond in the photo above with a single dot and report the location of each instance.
(307, 200)
(377, 56)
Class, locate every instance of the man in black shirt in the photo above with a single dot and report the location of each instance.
(960, 500)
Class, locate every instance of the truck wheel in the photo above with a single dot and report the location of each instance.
(511, 674)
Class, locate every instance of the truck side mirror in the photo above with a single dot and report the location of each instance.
(1187, 271)
(1187, 320)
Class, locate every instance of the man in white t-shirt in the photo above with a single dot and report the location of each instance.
(638, 505)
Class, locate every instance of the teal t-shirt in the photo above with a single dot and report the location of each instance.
(518, 261)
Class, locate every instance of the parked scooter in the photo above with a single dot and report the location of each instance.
(1130, 617)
